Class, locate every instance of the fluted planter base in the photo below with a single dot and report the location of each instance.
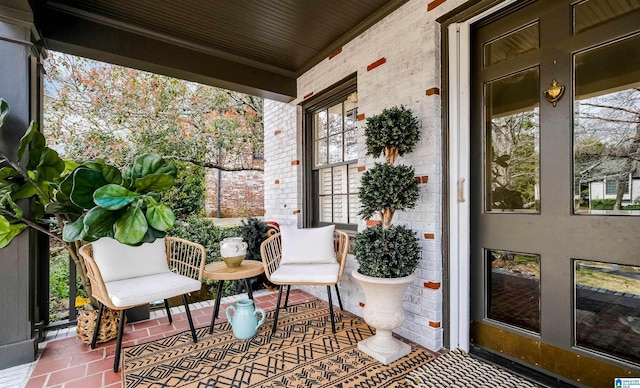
(383, 311)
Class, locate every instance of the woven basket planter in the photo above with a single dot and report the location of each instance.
(87, 325)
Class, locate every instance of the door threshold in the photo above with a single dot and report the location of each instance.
(533, 375)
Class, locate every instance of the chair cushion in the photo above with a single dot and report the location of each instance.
(120, 261)
(306, 273)
(307, 246)
(150, 288)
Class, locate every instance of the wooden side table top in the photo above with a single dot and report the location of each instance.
(220, 271)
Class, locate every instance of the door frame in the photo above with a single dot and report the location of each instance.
(458, 71)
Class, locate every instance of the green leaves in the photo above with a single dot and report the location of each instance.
(388, 187)
(8, 230)
(391, 253)
(132, 226)
(4, 110)
(114, 197)
(94, 193)
(395, 128)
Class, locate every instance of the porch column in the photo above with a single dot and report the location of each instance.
(20, 86)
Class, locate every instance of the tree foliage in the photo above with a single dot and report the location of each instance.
(87, 200)
(101, 111)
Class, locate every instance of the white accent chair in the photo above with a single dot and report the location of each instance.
(315, 256)
(124, 276)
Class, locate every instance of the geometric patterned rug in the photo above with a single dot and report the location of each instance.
(457, 369)
(302, 353)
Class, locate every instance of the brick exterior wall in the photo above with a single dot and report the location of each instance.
(397, 63)
(242, 193)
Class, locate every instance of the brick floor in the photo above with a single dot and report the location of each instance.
(67, 362)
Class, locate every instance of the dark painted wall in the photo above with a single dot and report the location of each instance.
(19, 86)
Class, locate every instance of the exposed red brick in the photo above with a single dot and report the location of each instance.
(429, 236)
(417, 179)
(434, 4)
(376, 63)
(296, 212)
(277, 182)
(295, 162)
(432, 91)
(333, 54)
(424, 179)
(373, 222)
(435, 325)
(277, 132)
(432, 285)
(361, 304)
(361, 117)
(307, 96)
(361, 168)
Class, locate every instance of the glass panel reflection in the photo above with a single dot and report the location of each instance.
(606, 133)
(321, 152)
(335, 119)
(592, 13)
(607, 313)
(512, 154)
(320, 124)
(514, 289)
(511, 45)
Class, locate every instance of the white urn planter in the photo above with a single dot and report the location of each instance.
(383, 310)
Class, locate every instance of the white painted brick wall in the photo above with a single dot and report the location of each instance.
(409, 40)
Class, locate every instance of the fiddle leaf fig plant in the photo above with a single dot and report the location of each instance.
(386, 250)
(87, 200)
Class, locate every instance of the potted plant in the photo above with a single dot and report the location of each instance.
(387, 254)
(85, 201)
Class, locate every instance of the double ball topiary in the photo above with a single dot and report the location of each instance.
(388, 251)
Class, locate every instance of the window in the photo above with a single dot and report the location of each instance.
(331, 155)
(612, 187)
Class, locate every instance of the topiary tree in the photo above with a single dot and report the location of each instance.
(387, 250)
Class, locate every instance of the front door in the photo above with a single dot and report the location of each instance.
(555, 204)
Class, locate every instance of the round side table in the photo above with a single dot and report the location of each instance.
(219, 271)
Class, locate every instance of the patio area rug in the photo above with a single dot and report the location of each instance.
(458, 370)
(303, 352)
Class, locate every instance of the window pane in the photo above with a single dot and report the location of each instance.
(512, 158)
(340, 180)
(514, 289)
(351, 145)
(607, 312)
(335, 149)
(325, 181)
(320, 125)
(354, 208)
(511, 45)
(354, 179)
(592, 13)
(340, 213)
(350, 118)
(326, 209)
(335, 119)
(321, 152)
(606, 132)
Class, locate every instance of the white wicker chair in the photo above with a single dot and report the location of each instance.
(304, 274)
(124, 276)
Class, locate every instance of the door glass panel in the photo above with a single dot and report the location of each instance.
(592, 13)
(511, 45)
(514, 289)
(606, 132)
(607, 312)
(512, 146)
